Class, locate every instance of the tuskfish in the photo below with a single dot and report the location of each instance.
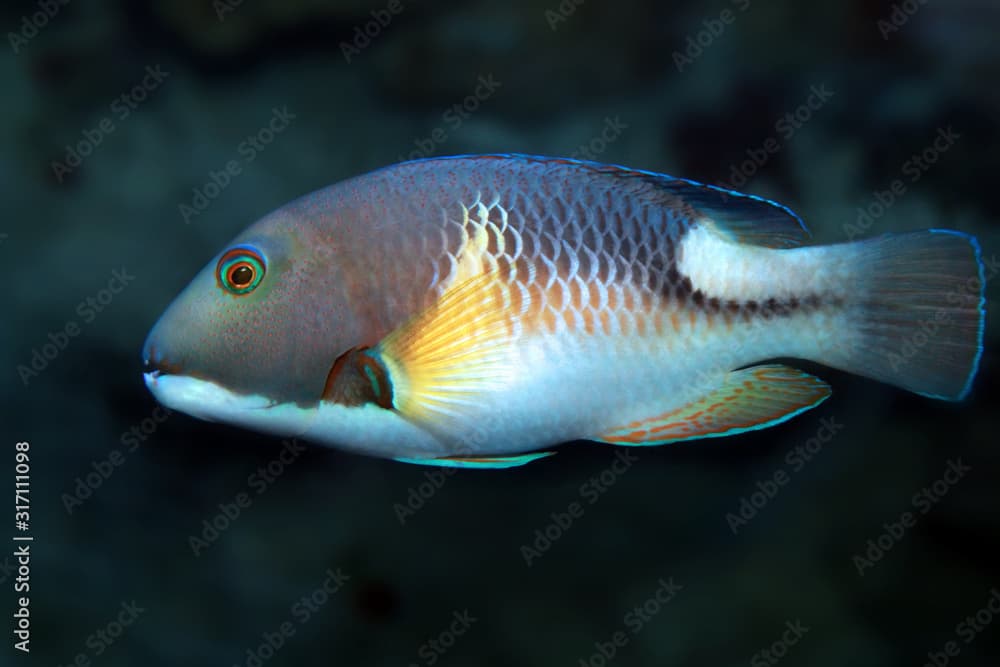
(475, 311)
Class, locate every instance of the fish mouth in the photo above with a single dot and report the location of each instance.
(154, 371)
(192, 393)
(154, 367)
(151, 378)
(158, 371)
(212, 402)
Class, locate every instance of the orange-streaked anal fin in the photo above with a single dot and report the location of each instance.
(750, 399)
(446, 359)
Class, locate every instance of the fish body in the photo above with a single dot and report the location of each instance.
(474, 310)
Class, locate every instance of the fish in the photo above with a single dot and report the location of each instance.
(476, 311)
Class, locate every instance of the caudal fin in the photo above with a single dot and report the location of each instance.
(916, 320)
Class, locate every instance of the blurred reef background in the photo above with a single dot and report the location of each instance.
(789, 545)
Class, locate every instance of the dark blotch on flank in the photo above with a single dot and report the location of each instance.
(675, 286)
(686, 285)
(678, 288)
(773, 307)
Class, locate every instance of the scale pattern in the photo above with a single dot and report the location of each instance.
(568, 265)
(577, 248)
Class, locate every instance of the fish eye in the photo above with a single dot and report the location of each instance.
(240, 270)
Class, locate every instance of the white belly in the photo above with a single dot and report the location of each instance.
(575, 390)
(560, 388)
(579, 388)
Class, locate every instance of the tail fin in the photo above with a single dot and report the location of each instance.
(918, 315)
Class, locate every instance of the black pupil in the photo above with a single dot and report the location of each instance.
(241, 275)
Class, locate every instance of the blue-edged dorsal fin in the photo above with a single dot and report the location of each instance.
(479, 462)
(744, 218)
(749, 399)
(739, 217)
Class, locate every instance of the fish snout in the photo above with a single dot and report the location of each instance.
(156, 357)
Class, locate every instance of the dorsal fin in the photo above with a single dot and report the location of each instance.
(739, 217)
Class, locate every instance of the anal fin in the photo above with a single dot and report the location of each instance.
(479, 462)
(750, 399)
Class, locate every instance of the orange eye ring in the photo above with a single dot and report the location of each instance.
(240, 270)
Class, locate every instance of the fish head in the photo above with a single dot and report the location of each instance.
(251, 339)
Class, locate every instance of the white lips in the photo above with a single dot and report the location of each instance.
(212, 402)
(367, 429)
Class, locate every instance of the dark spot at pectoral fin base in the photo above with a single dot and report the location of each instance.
(750, 399)
(480, 462)
(358, 377)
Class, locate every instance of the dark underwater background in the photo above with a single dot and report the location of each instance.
(865, 532)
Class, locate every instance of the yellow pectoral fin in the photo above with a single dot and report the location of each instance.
(445, 359)
(750, 399)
